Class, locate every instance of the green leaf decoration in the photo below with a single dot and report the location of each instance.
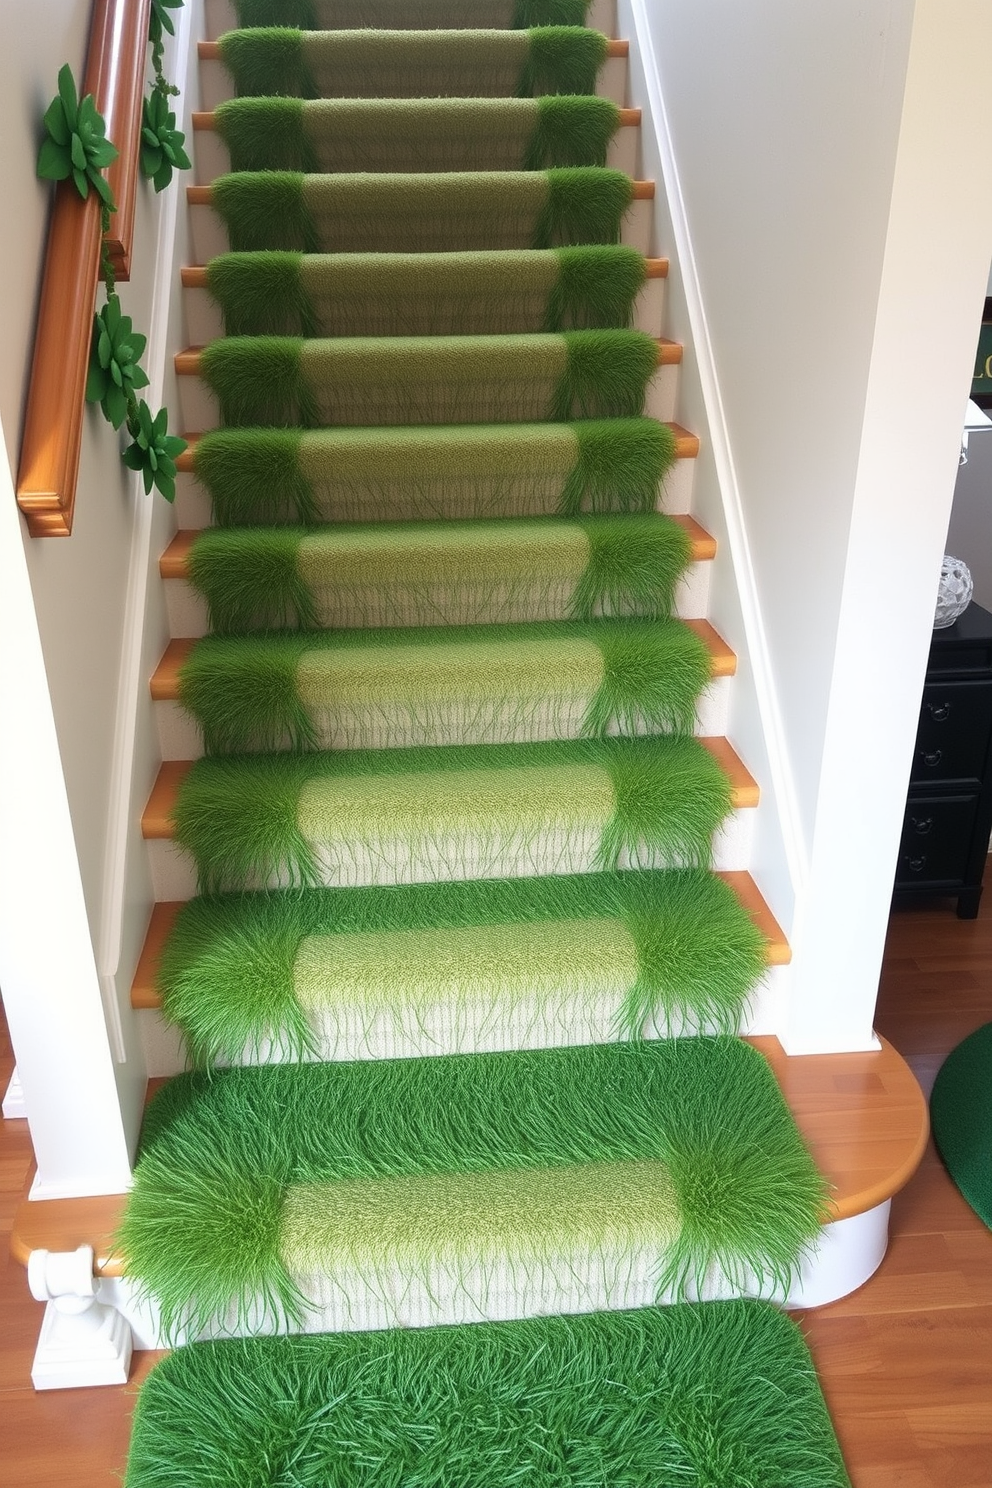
(114, 371)
(161, 142)
(154, 451)
(76, 143)
(160, 21)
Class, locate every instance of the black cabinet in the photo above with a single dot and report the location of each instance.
(945, 834)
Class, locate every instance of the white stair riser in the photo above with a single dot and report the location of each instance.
(200, 411)
(187, 608)
(464, 1030)
(174, 873)
(220, 16)
(204, 322)
(217, 86)
(209, 234)
(847, 1253)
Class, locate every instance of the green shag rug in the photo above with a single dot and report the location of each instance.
(427, 15)
(254, 1184)
(280, 61)
(416, 134)
(389, 212)
(476, 684)
(258, 477)
(446, 573)
(961, 1110)
(719, 1395)
(460, 811)
(424, 294)
(317, 971)
(284, 381)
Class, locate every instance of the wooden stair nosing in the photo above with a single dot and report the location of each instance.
(686, 447)
(202, 196)
(145, 994)
(863, 1117)
(205, 121)
(194, 276)
(209, 51)
(156, 819)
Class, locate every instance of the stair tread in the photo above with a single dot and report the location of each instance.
(862, 1116)
(194, 276)
(203, 196)
(210, 51)
(188, 363)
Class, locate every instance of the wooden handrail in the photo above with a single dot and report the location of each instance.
(53, 425)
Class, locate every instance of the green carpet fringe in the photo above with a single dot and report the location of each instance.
(467, 294)
(226, 974)
(238, 817)
(277, 61)
(427, 15)
(416, 134)
(262, 477)
(246, 693)
(273, 578)
(279, 381)
(716, 1395)
(451, 211)
(709, 1109)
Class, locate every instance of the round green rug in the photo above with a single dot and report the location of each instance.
(961, 1109)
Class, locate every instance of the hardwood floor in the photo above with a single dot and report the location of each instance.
(905, 1363)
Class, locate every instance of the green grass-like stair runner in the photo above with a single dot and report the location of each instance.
(462, 811)
(267, 476)
(420, 294)
(427, 15)
(393, 212)
(250, 1180)
(454, 573)
(360, 381)
(281, 61)
(718, 1395)
(300, 969)
(416, 134)
(444, 684)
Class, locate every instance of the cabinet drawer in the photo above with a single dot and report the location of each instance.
(953, 737)
(936, 839)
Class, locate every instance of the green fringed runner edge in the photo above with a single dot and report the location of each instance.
(428, 15)
(266, 476)
(268, 578)
(279, 381)
(226, 974)
(376, 294)
(220, 1151)
(416, 134)
(239, 816)
(448, 212)
(279, 61)
(246, 692)
(714, 1395)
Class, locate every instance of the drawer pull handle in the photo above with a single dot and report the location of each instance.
(917, 864)
(939, 712)
(922, 825)
(933, 757)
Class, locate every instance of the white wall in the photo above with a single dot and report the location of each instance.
(89, 593)
(829, 158)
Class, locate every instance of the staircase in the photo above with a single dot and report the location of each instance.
(446, 775)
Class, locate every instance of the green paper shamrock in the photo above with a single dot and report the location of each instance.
(115, 352)
(161, 142)
(154, 450)
(76, 145)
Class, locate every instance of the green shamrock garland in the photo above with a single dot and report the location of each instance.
(76, 146)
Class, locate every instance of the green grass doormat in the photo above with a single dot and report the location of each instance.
(600, 1168)
(422, 294)
(436, 968)
(961, 1110)
(257, 477)
(289, 63)
(441, 573)
(721, 1395)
